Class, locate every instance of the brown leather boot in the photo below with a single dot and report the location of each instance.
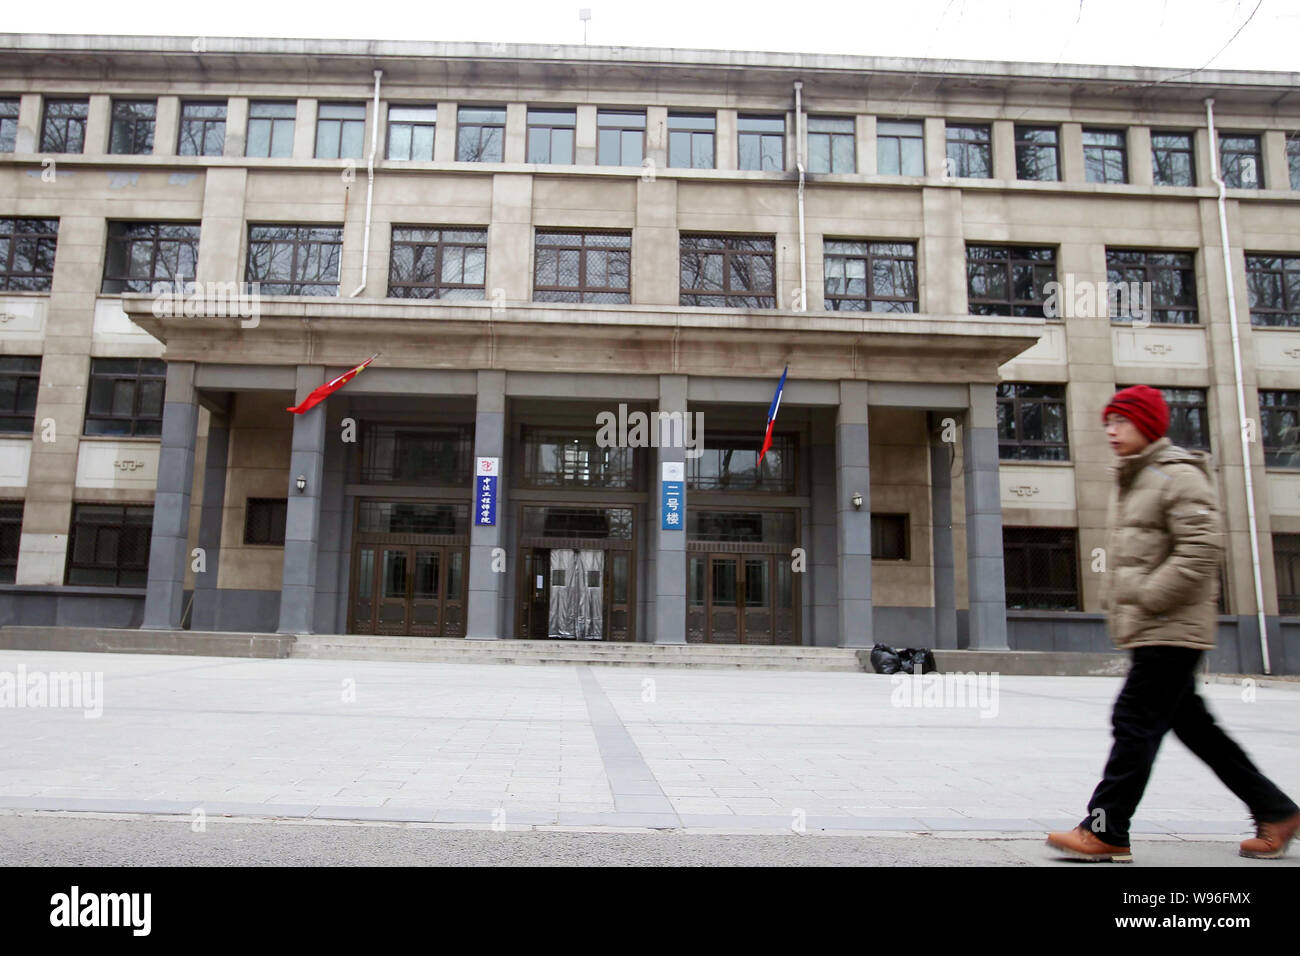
(1270, 839)
(1082, 844)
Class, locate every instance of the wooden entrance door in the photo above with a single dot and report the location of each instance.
(736, 598)
(408, 589)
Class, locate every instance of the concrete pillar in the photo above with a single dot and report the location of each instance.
(1004, 149)
(853, 525)
(584, 136)
(656, 137)
(302, 523)
(823, 562)
(1071, 156)
(28, 137)
(221, 232)
(510, 237)
(935, 144)
(167, 126)
(236, 127)
(169, 541)
(669, 610)
(444, 134)
(868, 160)
(1276, 174)
(984, 567)
(942, 275)
(656, 280)
(99, 119)
(304, 130)
(333, 514)
(726, 144)
(1139, 156)
(515, 147)
(942, 454)
(485, 617)
(211, 515)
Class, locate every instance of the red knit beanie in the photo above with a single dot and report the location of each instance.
(1144, 406)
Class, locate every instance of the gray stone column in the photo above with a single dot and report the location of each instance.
(484, 612)
(302, 524)
(823, 562)
(169, 542)
(210, 517)
(333, 516)
(945, 586)
(853, 525)
(984, 568)
(669, 617)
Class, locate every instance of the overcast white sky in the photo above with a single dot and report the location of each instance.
(1174, 33)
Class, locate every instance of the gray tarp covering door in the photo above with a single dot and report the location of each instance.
(577, 595)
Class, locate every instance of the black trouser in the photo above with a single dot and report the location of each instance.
(1160, 695)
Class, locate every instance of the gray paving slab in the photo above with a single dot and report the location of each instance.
(464, 744)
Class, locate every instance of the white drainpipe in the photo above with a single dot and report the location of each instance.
(1241, 389)
(798, 152)
(370, 188)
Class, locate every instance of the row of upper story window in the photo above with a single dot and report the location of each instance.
(715, 271)
(620, 140)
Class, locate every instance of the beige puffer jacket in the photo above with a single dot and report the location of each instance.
(1163, 550)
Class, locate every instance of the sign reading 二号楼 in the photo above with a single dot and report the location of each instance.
(673, 485)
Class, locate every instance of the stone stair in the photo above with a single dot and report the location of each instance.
(454, 650)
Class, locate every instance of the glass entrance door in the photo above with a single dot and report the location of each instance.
(739, 599)
(581, 594)
(401, 589)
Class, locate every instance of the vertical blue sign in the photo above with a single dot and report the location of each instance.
(673, 486)
(485, 491)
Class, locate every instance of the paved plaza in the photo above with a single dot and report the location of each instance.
(510, 747)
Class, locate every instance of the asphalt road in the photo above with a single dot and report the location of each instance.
(60, 839)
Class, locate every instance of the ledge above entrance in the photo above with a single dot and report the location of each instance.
(922, 347)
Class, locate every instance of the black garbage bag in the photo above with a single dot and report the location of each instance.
(885, 659)
(916, 660)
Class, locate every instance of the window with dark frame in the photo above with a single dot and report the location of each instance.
(126, 397)
(1167, 278)
(480, 134)
(550, 136)
(109, 545)
(691, 138)
(1173, 160)
(970, 150)
(20, 381)
(1286, 566)
(27, 248)
(1008, 280)
(1279, 426)
(757, 527)
(1273, 285)
(340, 130)
(900, 147)
(1189, 417)
(589, 267)
(728, 271)
(864, 276)
(63, 127)
(265, 520)
(270, 129)
(1241, 161)
(203, 129)
(1037, 153)
(1032, 422)
(1292, 158)
(560, 458)
(294, 260)
(831, 142)
(9, 111)
(438, 263)
(131, 131)
(411, 131)
(760, 142)
(889, 537)
(142, 254)
(1041, 568)
(11, 527)
(620, 137)
(417, 454)
(1105, 155)
(730, 463)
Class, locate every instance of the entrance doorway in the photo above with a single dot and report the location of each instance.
(738, 598)
(409, 562)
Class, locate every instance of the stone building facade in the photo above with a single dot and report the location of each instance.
(532, 237)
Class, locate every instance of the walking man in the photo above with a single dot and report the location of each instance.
(1160, 589)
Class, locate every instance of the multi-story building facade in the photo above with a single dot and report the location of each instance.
(554, 251)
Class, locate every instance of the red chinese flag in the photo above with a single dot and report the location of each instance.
(329, 388)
